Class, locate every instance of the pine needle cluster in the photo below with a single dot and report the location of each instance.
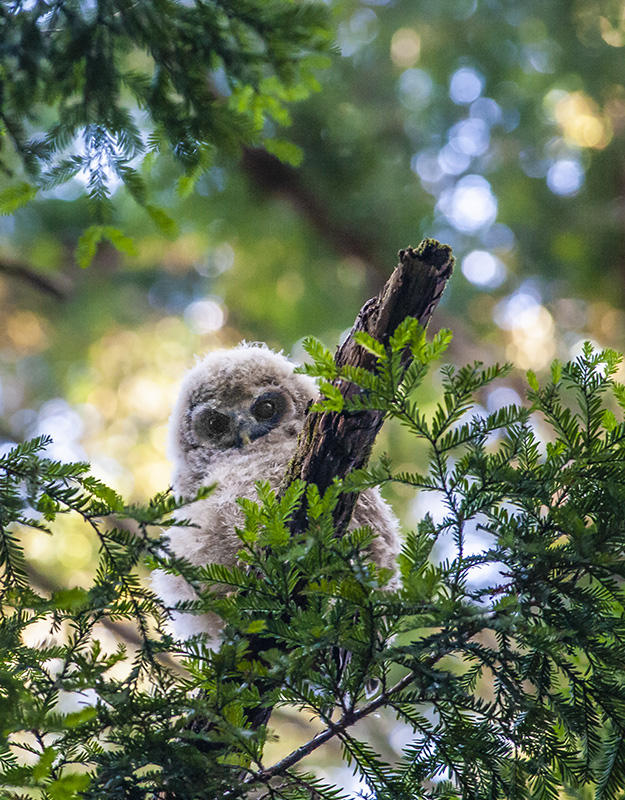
(506, 661)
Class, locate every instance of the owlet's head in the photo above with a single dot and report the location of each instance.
(232, 400)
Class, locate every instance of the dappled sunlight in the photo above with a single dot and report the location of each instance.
(582, 121)
(405, 47)
(530, 328)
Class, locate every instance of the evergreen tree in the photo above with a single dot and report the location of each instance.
(506, 662)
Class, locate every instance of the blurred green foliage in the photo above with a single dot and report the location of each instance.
(490, 125)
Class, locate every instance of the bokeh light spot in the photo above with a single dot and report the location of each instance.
(217, 261)
(565, 177)
(540, 56)
(470, 136)
(502, 396)
(405, 47)
(25, 332)
(499, 237)
(361, 29)
(466, 85)
(427, 166)
(614, 36)
(59, 420)
(415, 87)
(147, 396)
(483, 269)
(487, 109)
(531, 327)
(452, 161)
(205, 316)
(582, 121)
(470, 204)
(520, 305)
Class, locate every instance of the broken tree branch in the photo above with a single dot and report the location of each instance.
(335, 443)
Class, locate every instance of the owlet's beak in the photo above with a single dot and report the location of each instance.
(242, 429)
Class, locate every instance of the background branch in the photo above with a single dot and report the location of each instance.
(273, 176)
(26, 274)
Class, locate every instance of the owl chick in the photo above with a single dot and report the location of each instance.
(236, 421)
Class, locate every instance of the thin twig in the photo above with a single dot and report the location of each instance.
(333, 729)
(463, 633)
(125, 632)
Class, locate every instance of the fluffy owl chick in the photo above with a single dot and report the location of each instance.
(236, 421)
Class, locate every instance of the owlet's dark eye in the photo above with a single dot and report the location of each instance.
(211, 423)
(268, 406)
(265, 409)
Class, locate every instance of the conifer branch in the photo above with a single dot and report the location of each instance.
(552, 606)
(352, 716)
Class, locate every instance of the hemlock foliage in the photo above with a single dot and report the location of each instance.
(102, 88)
(506, 660)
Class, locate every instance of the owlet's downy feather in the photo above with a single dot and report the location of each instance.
(236, 421)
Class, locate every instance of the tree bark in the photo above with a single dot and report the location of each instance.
(333, 444)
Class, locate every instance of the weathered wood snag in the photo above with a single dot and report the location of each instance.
(333, 444)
